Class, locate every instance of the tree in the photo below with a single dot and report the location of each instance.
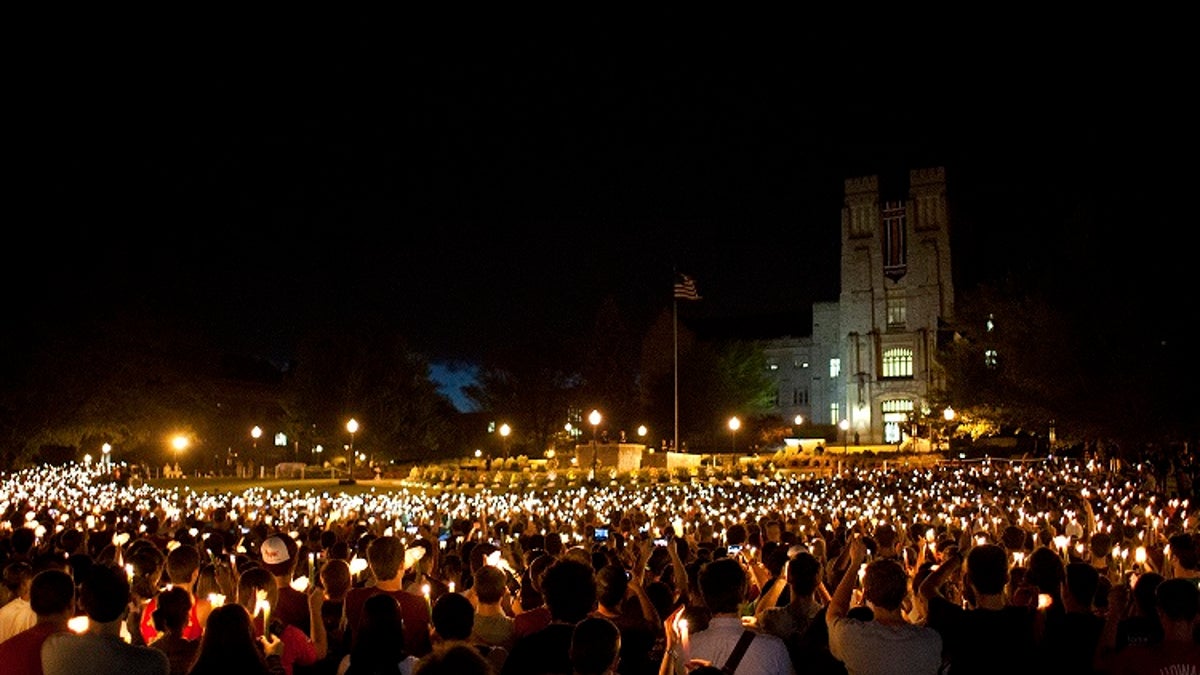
(370, 375)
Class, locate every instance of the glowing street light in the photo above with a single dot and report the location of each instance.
(107, 450)
(594, 418)
(734, 425)
(179, 443)
(505, 430)
(844, 425)
(352, 427)
(255, 433)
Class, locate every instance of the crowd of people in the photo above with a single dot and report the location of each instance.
(1054, 566)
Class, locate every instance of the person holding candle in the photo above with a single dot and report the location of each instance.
(385, 557)
(183, 569)
(174, 606)
(258, 593)
(279, 554)
(724, 585)
(229, 646)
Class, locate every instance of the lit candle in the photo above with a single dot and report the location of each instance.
(425, 592)
(684, 640)
(216, 599)
(451, 586)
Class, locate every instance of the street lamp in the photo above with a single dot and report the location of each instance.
(844, 425)
(948, 414)
(179, 443)
(734, 425)
(255, 433)
(505, 430)
(106, 449)
(594, 418)
(351, 426)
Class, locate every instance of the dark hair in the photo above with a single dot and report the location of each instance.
(1183, 549)
(885, 583)
(453, 616)
(335, 577)
(51, 592)
(803, 573)
(386, 557)
(455, 658)
(16, 574)
(182, 563)
(172, 608)
(1044, 569)
(1082, 582)
(1144, 592)
(569, 588)
(1178, 599)
(723, 584)
(595, 645)
(987, 568)
(611, 585)
(489, 584)
(379, 637)
(104, 593)
(228, 645)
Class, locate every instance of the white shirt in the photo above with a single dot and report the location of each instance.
(16, 616)
(92, 654)
(873, 648)
(767, 655)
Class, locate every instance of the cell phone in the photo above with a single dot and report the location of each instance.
(660, 542)
(601, 534)
(734, 549)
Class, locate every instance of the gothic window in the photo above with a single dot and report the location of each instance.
(898, 362)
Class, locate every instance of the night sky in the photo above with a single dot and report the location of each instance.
(472, 186)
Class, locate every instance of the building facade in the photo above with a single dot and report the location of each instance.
(870, 364)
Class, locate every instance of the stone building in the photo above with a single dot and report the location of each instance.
(870, 359)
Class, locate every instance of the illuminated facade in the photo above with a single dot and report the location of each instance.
(871, 357)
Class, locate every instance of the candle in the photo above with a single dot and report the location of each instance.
(216, 599)
(425, 592)
(684, 640)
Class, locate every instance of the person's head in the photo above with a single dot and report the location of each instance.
(385, 555)
(595, 646)
(335, 578)
(886, 539)
(736, 535)
(723, 584)
(489, 584)
(228, 641)
(1044, 569)
(1184, 551)
(148, 564)
(255, 580)
(1178, 600)
(1082, 580)
(452, 658)
(17, 576)
(803, 574)
(1144, 598)
(612, 583)
(987, 568)
(183, 562)
(453, 616)
(379, 636)
(278, 553)
(51, 593)
(172, 609)
(885, 584)
(569, 589)
(104, 593)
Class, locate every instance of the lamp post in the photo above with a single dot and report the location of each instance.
(505, 430)
(948, 414)
(107, 461)
(844, 425)
(255, 434)
(734, 425)
(351, 426)
(179, 443)
(594, 418)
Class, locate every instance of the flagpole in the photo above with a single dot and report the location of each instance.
(675, 336)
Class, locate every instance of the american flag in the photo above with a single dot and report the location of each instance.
(685, 288)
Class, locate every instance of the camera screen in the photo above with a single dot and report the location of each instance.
(601, 533)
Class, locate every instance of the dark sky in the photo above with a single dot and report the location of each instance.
(477, 184)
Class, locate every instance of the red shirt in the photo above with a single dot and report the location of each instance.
(22, 653)
(414, 612)
(531, 621)
(191, 631)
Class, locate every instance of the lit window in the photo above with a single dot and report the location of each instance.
(897, 310)
(990, 358)
(835, 413)
(898, 362)
(835, 367)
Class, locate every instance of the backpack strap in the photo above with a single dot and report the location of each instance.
(739, 650)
